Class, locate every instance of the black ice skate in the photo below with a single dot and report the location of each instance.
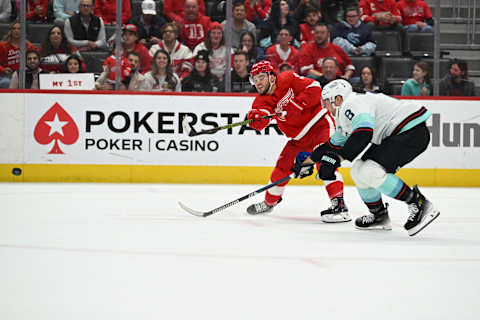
(338, 212)
(422, 213)
(378, 220)
(261, 207)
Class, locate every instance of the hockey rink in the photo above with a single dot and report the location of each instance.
(128, 251)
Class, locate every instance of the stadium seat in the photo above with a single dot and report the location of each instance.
(94, 60)
(444, 66)
(419, 44)
(389, 43)
(4, 27)
(38, 32)
(395, 68)
(360, 62)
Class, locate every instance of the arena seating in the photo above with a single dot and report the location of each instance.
(389, 43)
(419, 44)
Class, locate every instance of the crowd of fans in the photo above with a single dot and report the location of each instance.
(180, 48)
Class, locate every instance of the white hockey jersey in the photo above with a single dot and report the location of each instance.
(384, 115)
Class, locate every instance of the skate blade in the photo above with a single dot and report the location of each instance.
(387, 227)
(430, 217)
(335, 218)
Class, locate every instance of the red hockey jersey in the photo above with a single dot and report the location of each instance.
(414, 11)
(296, 101)
(312, 58)
(369, 9)
(195, 32)
(276, 56)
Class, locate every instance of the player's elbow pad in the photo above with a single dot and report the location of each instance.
(355, 144)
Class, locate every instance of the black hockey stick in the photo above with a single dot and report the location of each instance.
(192, 132)
(234, 202)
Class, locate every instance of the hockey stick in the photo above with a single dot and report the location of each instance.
(234, 202)
(192, 132)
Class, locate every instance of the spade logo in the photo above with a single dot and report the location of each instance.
(56, 124)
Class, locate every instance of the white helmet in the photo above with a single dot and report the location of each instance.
(336, 88)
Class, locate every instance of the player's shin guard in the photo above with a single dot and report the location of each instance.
(338, 211)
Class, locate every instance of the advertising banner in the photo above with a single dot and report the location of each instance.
(67, 81)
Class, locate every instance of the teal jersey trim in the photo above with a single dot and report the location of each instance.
(391, 186)
(370, 195)
(337, 139)
(415, 122)
(363, 120)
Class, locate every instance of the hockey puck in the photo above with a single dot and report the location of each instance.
(16, 171)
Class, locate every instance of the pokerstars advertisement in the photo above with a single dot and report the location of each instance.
(144, 129)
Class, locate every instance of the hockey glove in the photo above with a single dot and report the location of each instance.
(329, 162)
(302, 170)
(260, 123)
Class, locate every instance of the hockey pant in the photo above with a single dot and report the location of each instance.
(317, 135)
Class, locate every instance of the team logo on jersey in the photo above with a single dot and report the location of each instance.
(282, 103)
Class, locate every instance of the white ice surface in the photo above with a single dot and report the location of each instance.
(113, 251)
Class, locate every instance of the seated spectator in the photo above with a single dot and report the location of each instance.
(312, 18)
(136, 81)
(420, 84)
(55, 50)
(313, 53)
(200, 79)
(85, 30)
(333, 10)
(249, 45)
(73, 64)
(280, 17)
(106, 9)
(380, 14)
(416, 15)
(240, 77)
(161, 76)
(32, 71)
(10, 53)
(64, 9)
(330, 71)
(353, 36)
(180, 56)
(258, 11)
(195, 25)
(283, 51)
(149, 24)
(175, 9)
(455, 82)
(36, 11)
(368, 82)
(301, 8)
(286, 67)
(5, 10)
(130, 43)
(239, 23)
(215, 45)
(107, 79)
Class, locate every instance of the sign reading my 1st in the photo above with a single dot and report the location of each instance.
(67, 81)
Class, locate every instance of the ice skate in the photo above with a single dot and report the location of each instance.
(422, 213)
(261, 208)
(375, 221)
(338, 212)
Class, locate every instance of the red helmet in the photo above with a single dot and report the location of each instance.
(263, 66)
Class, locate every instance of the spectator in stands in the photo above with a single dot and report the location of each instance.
(215, 45)
(420, 84)
(353, 36)
(312, 18)
(36, 11)
(73, 64)
(239, 23)
(175, 10)
(258, 11)
(313, 53)
(283, 51)
(280, 17)
(106, 9)
(84, 30)
(368, 82)
(301, 8)
(416, 15)
(195, 25)
(130, 43)
(181, 57)
(240, 77)
(149, 24)
(249, 45)
(380, 14)
(455, 82)
(64, 9)
(5, 10)
(107, 79)
(136, 81)
(200, 79)
(32, 72)
(333, 10)
(10, 53)
(161, 77)
(286, 67)
(330, 71)
(55, 50)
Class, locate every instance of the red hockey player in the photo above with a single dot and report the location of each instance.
(295, 102)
